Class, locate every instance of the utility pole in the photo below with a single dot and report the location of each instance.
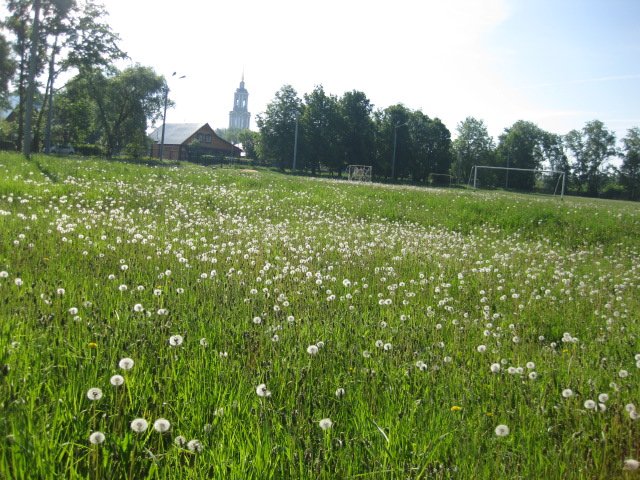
(295, 145)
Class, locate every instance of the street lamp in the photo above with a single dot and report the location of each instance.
(395, 141)
(164, 115)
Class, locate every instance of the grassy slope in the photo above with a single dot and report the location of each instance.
(405, 244)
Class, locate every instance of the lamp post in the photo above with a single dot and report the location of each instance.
(164, 115)
(395, 141)
(295, 145)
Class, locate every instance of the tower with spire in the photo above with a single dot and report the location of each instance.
(239, 116)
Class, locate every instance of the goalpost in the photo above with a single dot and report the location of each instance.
(560, 183)
(359, 173)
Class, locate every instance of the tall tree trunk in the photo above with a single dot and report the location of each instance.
(33, 63)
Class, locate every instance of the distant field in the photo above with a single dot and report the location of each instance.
(199, 323)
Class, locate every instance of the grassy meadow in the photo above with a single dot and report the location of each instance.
(197, 323)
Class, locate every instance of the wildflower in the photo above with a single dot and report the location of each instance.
(257, 320)
(387, 347)
(312, 349)
(94, 394)
(261, 391)
(180, 441)
(73, 311)
(138, 307)
(502, 430)
(161, 425)
(589, 404)
(531, 365)
(125, 363)
(139, 425)
(96, 438)
(93, 345)
(623, 374)
(117, 380)
(340, 392)
(603, 397)
(631, 464)
(512, 370)
(60, 291)
(176, 340)
(481, 348)
(18, 282)
(456, 408)
(533, 375)
(366, 354)
(203, 342)
(567, 393)
(326, 424)
(495, 367)
(195, 446)
(4, 274)
(379, 343)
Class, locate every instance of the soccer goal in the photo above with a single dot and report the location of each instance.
(528, 179)
(359, 173)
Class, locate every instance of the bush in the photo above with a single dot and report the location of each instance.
(89, 150)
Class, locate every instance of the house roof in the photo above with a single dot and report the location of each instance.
(176, 133)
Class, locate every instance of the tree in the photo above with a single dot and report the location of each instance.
(7, 68)
(392, 141)
(591, 147)
(473, 146)
(630, 168)
(321, 126)
(358, 129)
(277, 126)
(121, 105)
(250, 143)
(520, 147)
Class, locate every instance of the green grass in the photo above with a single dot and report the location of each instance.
(432, 274)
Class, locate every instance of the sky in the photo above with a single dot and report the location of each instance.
(557, 63)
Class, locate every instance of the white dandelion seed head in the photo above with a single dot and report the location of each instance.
(502, 430)
(623, 374)
(18, 282)
(590, 405)
(629, 407)
(257, 320)
(631, 464)
(481, 348)
(312, 349)
(320, 344)
(96, 438)
(4, 274)
(203, 342)
(73, 311)
(531, 365)
(180, 441)
(60, 291)
(495, 367)
(194, 445)
(116, 380)
(387, 347)
(126, 363)
(379, 343)
(366, 354)
(326, 424)
(139, 425)
(161, 425)
(176, 340)
(533, 375)
(603, 398)
(567, 393)
(633, 415)
(512, 370)
(261, 391)
(340, 392)
(94, 394)
(138, 307)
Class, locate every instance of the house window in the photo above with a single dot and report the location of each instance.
(204, 137)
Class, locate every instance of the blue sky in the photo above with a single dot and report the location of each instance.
(556, 63)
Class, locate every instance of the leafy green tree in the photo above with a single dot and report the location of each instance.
(520, 147)
(321, 124)
(392, 141)
(277, 126)
(473, 146)
(630, 168)
(250, 141)
(591, 147)
(7, 68)
(358, 129)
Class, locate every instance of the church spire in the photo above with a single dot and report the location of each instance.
(239, 117)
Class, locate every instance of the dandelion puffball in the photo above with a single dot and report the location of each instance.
(96, 438)
(312, 349)
(94, 394)
(117, 380)
(161, 425)
(139, 425)
(125, 363)
(502, 430)
(326, 424)
(261, 391)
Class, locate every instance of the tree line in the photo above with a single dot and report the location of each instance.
(106, 111)
(323, 131)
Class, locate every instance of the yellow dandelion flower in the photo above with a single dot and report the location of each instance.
(456, 408)
(93, 345)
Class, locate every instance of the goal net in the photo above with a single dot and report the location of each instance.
(359, 173)
(550, 182)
